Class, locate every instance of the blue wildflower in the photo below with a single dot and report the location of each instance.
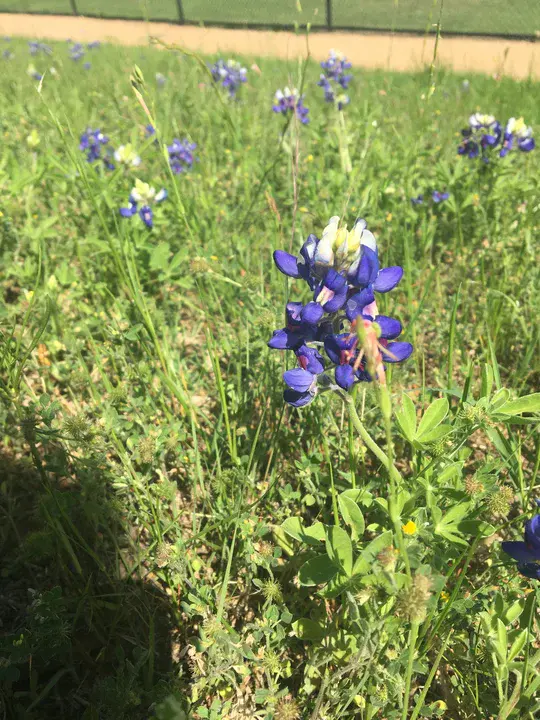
(93, 45)
(229, 74)
(141, 199)
(150, 130)
(288, 101)
(127, 156)
(342, 270)
(484, 132)
(87, 65)
(181, 155)
(335, 66)
(333, 79)
(33, 73)
(439, 197)
(76, 51)
(527, 553)
(37, 47)
(517, 134)
(8, 55)
(418, 200)
(91, 143)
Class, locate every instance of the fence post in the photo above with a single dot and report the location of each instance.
(181, 16)
(74, 7)
(329, 14)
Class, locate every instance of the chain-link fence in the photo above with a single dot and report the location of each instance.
(516, 19)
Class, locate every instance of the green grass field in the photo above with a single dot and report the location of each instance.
(478, 16)
(176, 543)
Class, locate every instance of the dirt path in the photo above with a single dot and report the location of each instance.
(399, 52)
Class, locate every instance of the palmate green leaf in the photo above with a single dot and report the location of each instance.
(159, 257)
(517, 645)
(307, 629)
(369, 553)
(352, 516)
(433, 435)
(407, 418)
(433, 417)
(339, 548)
(317, 571)
(529, 403)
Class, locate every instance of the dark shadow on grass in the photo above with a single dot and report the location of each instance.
(80, 636)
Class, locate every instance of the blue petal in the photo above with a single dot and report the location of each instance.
(532, 533)
(299, 379)
(312, 313)
(128, 212)
(387, 279)
(286, 263)
(147, 216)
(337, 301)
(297, 399)
(345, 376)
(520, 552)
(284, 340)
(530, 570)
(368, 267)
(390, 327)
(400, 351)
(310, 359)
(358, 302)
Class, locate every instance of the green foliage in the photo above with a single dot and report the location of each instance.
(175, 543)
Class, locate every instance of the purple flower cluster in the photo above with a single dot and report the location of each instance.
(229, 74)
(334, 79)
(140, 202)
(181, 156)
(92, 142)
(485, 133)
(343, 273)
(437, 197)
(37, 47)
(289, 101)
(527, 553)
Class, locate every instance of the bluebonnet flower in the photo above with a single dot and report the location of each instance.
(516, 133)
(33, 73)
(91, 143)
(150, 130)
(330, 96)
(229, 75)
(335, 66)
(287, 100)
(343, 273)
(334, 79)
(8, 55)
(141, 199)
(76, 51)
(93, 45)
(36, 47)
(439, 197)
(484, 132)
(527, 553)
(181, 155)
(87, 65)
(126, 155)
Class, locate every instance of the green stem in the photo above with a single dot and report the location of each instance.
(368, 440)
(413, 634)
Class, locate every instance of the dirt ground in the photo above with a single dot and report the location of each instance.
(517, 58)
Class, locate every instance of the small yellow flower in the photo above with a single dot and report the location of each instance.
(309, 158)
(409, 528)
(445, 597)
(213, 257)
(389, 217)
(303, 209)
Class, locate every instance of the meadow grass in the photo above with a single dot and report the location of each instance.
(155, 491)
(473, 16)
